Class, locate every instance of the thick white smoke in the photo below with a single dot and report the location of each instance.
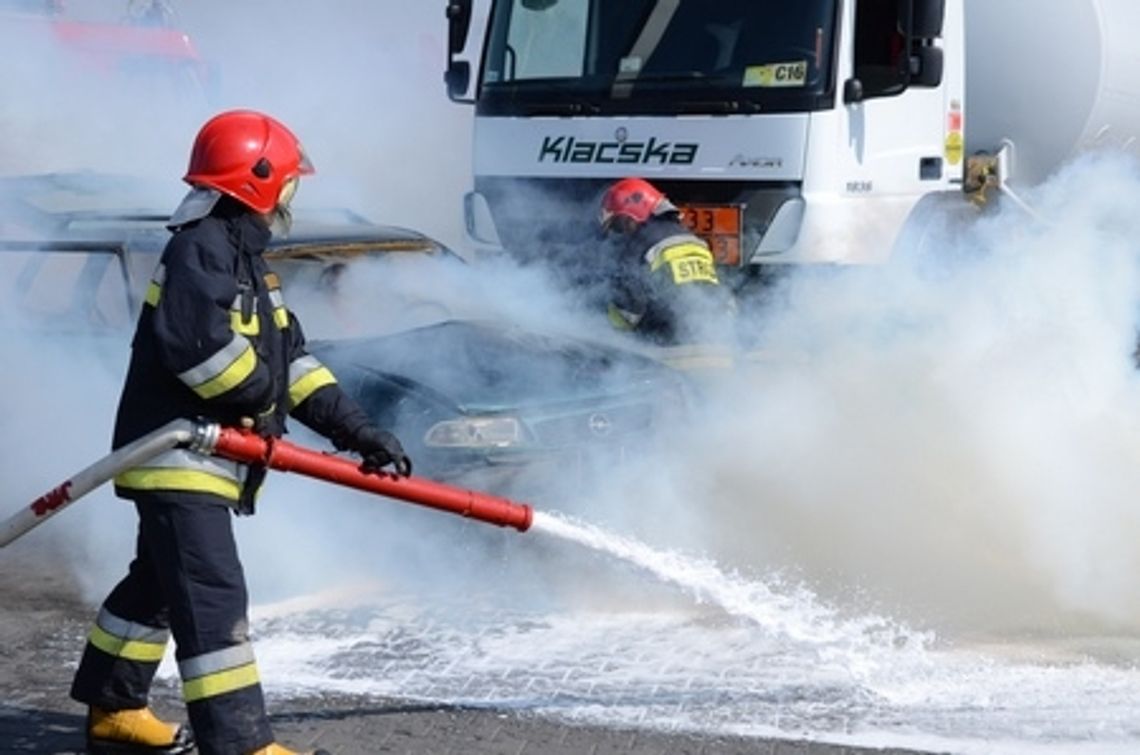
(951, 437)
(361, 85)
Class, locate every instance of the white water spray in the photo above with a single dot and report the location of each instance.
(795, 613)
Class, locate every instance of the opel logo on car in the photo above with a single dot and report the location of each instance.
(621, 135)
(600, 424)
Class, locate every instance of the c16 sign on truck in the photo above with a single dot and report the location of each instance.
(791, 130)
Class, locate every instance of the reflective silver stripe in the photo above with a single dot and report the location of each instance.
(302, 366)
(219, 660)
(159, 276)
(306, 376)
(681, 238)
(129, 630)
(280, 313)
(217, 364)
(181, 458)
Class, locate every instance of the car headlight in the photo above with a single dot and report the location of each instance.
(476, 432)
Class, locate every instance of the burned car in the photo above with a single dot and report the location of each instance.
(502, 408)
(479, 402)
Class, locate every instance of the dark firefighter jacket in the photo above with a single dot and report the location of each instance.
(215, 341)
(666, 286)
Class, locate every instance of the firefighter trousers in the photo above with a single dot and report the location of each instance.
(186, 580)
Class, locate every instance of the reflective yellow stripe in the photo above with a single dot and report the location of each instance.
(251, 328)
(688, 263)
(618, 319)
(153, 294)
(154, 290)
(220, 683)
(132, 650)
(675, 253)
(231, 376)
(217, 363)
(280, 313)
(178, 479)
(308, 384)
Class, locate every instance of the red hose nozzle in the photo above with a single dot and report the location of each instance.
(250, 448)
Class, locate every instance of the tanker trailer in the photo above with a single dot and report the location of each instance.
(1046, 81)
(1043, 83)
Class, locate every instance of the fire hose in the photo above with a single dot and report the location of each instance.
(249, 448)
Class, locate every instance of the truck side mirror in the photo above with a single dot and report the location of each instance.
(928, 63)
(458, 79)
(926, 20)
(458, 25)
(852, 91)
(458, 75)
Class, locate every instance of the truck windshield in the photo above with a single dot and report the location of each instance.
(658, 55)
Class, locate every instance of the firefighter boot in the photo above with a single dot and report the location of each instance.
(134, 731)
(276, 749)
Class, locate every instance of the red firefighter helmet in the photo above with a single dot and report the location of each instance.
(633, 198)
(249, 156)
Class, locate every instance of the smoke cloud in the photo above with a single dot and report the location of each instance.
(361, 86)
(952, 435)
(949, 437)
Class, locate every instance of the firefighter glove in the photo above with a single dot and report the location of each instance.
(380, 449)
(269, 423)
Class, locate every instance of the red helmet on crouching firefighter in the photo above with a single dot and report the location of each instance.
(631, 202)
(246, 155)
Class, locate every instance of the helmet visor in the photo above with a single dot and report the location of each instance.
(304, 164)
(288, 191)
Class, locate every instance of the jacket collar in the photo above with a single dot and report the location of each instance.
(252, 232)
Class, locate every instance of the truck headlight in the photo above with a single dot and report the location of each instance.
(476, 432)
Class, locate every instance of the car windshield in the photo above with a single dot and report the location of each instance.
(659, 54)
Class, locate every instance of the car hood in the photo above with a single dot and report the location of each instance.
(481, 366)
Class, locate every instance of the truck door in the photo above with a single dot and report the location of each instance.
(899, 113)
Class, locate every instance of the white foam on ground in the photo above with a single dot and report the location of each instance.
(702, 673)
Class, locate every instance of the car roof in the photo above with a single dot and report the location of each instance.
(88, 216)
(89, 208)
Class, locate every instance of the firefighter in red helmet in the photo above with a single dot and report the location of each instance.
(665, 286)
(214, 340)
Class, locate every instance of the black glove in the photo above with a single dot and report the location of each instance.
(269, 423)
(379, 449)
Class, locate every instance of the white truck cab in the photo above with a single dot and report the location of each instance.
(790, 131)
(801, 131)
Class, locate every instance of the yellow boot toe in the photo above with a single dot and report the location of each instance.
(134, 731)
(276, 749)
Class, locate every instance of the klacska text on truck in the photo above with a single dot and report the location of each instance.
(791, 131)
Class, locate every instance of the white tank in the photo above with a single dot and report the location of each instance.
(1052, 76)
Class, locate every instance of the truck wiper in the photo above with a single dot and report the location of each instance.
(563, 108)
(715, 106)
(702, 78)
(670, 78)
